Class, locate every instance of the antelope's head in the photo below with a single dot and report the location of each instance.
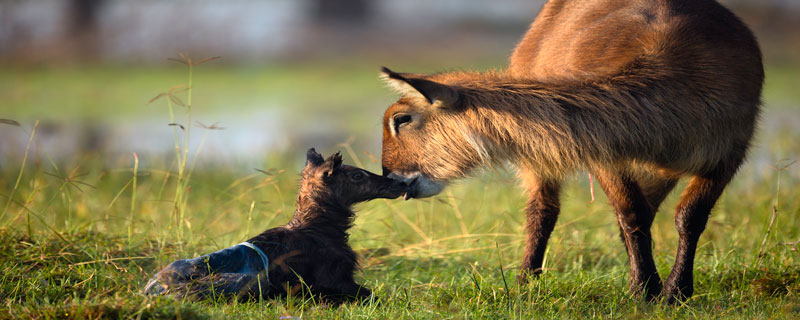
(428, 138)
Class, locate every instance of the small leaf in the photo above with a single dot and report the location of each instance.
(178, 60)
(54, 175)
(178, 89)
(269, 172)
(206, 60)
(182, 58)
(10, 122)
(177, 124)
(213, 126)
(176, 100)
(156, 97)
(83, 183)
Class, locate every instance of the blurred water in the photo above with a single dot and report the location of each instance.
(253, 30)
(239, 138)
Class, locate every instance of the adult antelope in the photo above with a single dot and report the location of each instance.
(639, 93)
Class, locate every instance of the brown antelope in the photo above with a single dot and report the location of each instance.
(639, 93)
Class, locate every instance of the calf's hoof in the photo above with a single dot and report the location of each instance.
(154, 287)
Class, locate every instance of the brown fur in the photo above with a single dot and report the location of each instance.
(640, 93)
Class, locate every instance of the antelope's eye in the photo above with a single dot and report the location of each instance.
(357, 176)
(401, 119)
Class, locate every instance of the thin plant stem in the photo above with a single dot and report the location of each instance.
(250, 218)
(19, 178)
(133, 196)
(195, 157)
(116, 197)
(176, 141)
(760, 254)
(503, 275)
(183, 183)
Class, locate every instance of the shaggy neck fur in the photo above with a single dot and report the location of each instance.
(317, 209)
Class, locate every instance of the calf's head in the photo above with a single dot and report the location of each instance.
(428, 137)
(330, 180)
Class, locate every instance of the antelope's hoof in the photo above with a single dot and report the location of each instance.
(525, 275)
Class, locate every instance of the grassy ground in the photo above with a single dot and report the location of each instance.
(81, 236)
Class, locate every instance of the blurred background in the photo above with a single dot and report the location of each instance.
(292, 73)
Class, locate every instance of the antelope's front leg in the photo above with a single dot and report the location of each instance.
(541, 213)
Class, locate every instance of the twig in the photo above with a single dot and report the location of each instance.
(794, 244)
(408, 221)
(109, 260)
(764, 240)
(780, 169)
(457, 212)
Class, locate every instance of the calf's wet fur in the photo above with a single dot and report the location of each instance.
(310, 254)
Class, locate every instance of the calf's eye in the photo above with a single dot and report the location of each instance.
(357, 176)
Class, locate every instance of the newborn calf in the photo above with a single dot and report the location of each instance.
(310, 253)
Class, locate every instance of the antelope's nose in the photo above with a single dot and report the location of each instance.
(394, 176)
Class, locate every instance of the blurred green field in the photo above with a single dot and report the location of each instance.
(117, 93)
(79, 241)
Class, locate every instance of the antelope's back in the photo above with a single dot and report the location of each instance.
(592, 39)
(700, 64)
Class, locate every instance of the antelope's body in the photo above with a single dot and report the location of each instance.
(640, 93)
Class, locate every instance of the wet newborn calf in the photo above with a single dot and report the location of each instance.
(309, 254)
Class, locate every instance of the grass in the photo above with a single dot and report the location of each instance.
(81, 236)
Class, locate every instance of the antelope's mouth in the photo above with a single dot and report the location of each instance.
(419, 185)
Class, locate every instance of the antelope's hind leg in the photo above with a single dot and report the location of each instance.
(635, 214)
(691, 217)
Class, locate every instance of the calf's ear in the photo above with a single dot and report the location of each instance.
(412, 85)
(331, 165)
(313, 158)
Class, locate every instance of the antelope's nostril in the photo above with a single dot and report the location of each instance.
(385, 171)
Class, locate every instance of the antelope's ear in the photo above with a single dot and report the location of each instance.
(331, 165)
(313, 158)
(406, 84)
